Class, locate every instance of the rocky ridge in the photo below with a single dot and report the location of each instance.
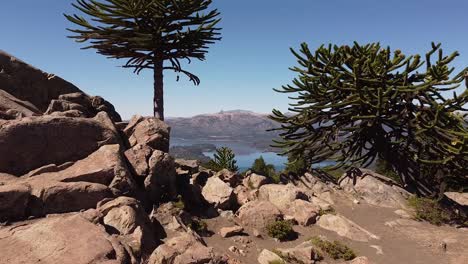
(79, 186)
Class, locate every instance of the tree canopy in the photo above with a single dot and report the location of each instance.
(147, 33)
(353, 104)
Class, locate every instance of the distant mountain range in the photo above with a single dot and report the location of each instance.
(235, 125)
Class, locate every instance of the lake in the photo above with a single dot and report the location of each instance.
(245, 154)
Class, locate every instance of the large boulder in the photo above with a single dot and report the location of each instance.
(281, 195)
(376, 189)
(303, 212)
(258, 214)
(268, 257)
(60, 197)
(185, 248)
(148, 131)
(12, 107)
(218, 193)
(127, 216)
(33, 142)
(84, 105)
(138, 156)
(65, 239)
(162, 176)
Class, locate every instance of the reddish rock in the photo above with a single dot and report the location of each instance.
(33, 142)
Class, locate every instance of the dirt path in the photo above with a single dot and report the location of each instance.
(401, 240)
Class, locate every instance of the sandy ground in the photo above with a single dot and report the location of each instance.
(401, 240)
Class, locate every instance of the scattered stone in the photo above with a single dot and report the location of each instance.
(236, 250)
(231, 231)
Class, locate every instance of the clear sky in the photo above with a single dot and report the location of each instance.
(253, 57)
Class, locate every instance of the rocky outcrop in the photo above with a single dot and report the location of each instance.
(82, 105)
(46, 92)
(372, 188)
(30, 84)
(60, 239)
(14, 108)
(185, 248)
(128, 218)
(32, 142)
(280, 195)
(151, 132)
(218, 193)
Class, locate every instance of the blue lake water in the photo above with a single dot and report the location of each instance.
(245, 154)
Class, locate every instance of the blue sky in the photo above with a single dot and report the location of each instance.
(253, 57)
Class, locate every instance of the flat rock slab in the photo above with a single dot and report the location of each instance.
(345, 227)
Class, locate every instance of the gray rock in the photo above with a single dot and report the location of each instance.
(218, 193)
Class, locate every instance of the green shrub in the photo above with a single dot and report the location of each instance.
(335, 249)
(384, 168)
(280, 229)
(276, 262)
(335, 173)
(430, 210)
(199, 226)
(224, 158)
(180, 203)
(260, 167)
(331, 210)
(296, 165)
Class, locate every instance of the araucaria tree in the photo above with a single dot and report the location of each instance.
(148, 33)
(356, 104)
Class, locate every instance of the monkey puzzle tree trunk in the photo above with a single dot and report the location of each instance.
(158, 100)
